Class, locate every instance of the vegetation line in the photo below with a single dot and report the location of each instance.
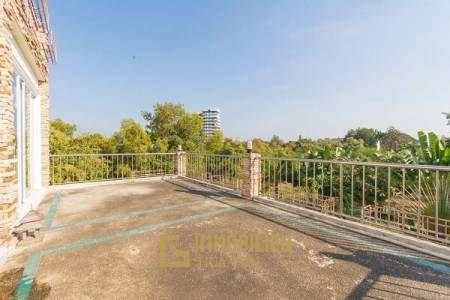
(170, 125)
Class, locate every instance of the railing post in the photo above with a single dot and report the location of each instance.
(180, 162)
(437, 199)
(250, 174)
(341, 190)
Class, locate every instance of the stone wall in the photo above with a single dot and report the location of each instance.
(35, 35)
(8, 184)
(18, 14)
(250, 175)
(180, 163)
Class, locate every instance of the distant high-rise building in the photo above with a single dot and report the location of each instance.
(211, 120)
(448, 117)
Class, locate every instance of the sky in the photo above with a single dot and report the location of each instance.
(290, 68)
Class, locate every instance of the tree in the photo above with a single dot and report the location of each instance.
(188, 132)
(433, 151)
(214, 142)
(93, 143)
(370, 136)
(354, 148)
(66, 128)
(394, 139)
(262, 147)
(164, 119)
(61, 134)
(131, 138)
(276, 141)
(233, 147)
(63, 140)
(171, 125)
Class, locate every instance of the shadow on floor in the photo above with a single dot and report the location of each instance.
(389, 265)
(377, 261)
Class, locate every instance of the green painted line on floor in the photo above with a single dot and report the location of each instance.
(139, 230)
(416, 259)
(119, 216)
(52, 211)
(32, 265)
(26, 280)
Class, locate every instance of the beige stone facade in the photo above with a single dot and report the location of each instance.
(251, 175)
(24, 49)
(180, 163)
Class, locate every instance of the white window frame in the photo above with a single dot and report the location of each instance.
(24, 73)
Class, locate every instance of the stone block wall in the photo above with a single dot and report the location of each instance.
(19, 14)
(250, 175)
(180, 163)
(8, 184)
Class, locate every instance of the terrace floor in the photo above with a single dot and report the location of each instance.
(104, 242)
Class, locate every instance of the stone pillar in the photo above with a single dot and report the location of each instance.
(250, 175)
(180, 163)
(8, 181)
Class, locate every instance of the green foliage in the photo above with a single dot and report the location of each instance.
(405, 156)
(214, 143)
(231, 147)
(63, 140)
(394, 139)
(59, 140)
(443, 210)
(131, 138)
(443, 198)
(369, 136)
(262, 147)
(69, 169)
(171, 125)
(93, 143)
(122, 170)
(276, 141)
(433, 150)
(66, 128)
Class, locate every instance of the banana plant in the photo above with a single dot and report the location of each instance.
(433, 150)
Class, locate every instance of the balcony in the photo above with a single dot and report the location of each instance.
(38, 19)
(400, 198)
(141, 219)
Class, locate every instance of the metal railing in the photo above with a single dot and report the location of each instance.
(37, 16)
(77, 168)
(412, 199)
(40, 9)
(223, 170)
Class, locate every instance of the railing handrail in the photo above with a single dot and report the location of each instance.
(217, 155)
(84, 167)
(110, 154)
(337, 162)
(361, 163)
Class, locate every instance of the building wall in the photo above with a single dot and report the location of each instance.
(8, 188)
(211, 121)
(18, 23)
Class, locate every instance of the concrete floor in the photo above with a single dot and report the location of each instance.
(103, 242)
